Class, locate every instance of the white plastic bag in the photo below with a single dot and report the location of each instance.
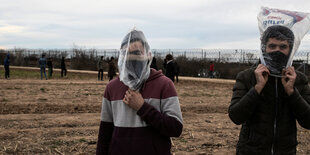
(135, 58)
(298, 22)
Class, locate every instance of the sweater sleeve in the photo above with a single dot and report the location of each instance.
(299, 102)
(169, 121)
(104, 138)
(243, 102)
(106, 126)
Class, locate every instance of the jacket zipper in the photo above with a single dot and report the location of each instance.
(275, 119)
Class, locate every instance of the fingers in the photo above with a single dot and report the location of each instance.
(262, 69)
(289, 72)
(128, 95)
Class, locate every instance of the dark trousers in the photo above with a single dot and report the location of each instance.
(211, 74)
(7, 72)
(177, 77)
(63, 71)
(100, 74)
(50, 72)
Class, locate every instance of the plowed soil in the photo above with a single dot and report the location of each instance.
(62, 116)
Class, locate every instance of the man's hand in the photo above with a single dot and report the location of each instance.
(288, 80)
(133, 99)
(261, 74)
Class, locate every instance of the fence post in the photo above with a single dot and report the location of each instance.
(219, 56)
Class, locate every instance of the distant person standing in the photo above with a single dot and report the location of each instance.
(7, 66)
(170, 69)
(63, 67)
(154, 64)
(211, 70)
(50, 67)
(112, 69)
(42, 63)
(100, 68)
(176, 71)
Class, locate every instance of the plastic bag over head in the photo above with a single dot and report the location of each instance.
(134, 61)
(281, 25)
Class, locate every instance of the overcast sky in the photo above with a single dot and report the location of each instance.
(209, 24)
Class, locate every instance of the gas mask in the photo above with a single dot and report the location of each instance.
(275, 62)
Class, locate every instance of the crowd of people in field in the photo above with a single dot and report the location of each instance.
(170, 68)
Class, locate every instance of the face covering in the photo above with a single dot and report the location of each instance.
(275, 62)
(134, 60)
(135, 68)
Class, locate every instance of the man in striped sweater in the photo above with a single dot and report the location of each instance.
(140, 108)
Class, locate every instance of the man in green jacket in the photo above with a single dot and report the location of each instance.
(267, 100)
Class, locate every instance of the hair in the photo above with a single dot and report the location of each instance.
(278, 32)
(169, 57)
(112, 58)
(136, 36)
(101, 57)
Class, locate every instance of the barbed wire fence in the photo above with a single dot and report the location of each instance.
(80, 58)
(218, 55)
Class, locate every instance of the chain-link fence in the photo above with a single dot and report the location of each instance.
(217, 55)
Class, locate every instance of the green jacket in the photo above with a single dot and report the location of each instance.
(269, 119)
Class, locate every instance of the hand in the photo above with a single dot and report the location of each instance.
(133, 99)
(288, 80)
(261, 75)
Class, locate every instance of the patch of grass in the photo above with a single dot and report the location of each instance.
(206, 94)
(35, 74)
(4, 100)
(183, 140)
(185, 95)
(42, 90)
(82, 140)
(57, 143)
(42, 99)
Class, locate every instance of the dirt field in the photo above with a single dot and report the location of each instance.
(62, 117)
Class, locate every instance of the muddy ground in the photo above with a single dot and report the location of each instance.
(62, 116)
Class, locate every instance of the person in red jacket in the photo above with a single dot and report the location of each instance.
(140, 108)
(211, 70)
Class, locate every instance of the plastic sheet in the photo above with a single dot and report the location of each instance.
(297, 22)
(134, 61)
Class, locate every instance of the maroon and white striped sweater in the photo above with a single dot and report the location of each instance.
(146, 131)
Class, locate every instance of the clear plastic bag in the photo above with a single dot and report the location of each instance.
(134, 60)
(297, 22)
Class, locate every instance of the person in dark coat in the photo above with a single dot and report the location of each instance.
(211, 70)
(7, 66)
(170, 68)
(154, 64)
(268, 105)
(112, 69)
(176, 71)
(100, 65)
(63, 67)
